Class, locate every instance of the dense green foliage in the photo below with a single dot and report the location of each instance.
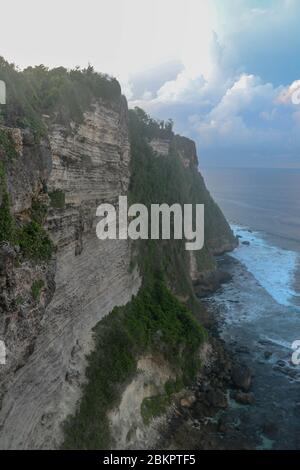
(156, 180)
(34, 242)
(62, 94)
(7, 228)
(154, 321)
(7, 145)
(38, 212)
(31, 237)
(145, 127)
(165, 179)
(36, 288)
(57, 199)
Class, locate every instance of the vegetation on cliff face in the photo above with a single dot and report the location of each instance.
(31, 238)
(57, 199)
(7, 145)
(6, 219)
(36, 288)
(154, 321)
(165, 179)
(62, 94)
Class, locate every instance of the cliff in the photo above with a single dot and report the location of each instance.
(58, 281)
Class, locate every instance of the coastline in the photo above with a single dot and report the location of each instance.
(246, 396)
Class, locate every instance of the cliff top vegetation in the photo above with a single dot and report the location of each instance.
(59, 93)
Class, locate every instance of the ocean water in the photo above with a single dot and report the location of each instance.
(266, 202)
(266, 199)
(274, 268)
(259, 311)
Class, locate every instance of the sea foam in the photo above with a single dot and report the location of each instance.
(273, 267)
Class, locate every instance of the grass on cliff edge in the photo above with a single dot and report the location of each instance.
(62, 94)
(153, 321)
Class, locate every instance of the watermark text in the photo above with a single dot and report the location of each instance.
(166, 222)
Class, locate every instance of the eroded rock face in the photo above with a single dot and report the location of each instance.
(160, 146)
(186, 149)
(90, 165)
(126, 422)
(241, 377)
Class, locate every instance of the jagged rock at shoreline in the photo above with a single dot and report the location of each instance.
(241, 377)
(55, 175)
(244, 398)
(210, 281)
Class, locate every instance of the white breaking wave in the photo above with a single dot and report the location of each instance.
(274, 268)
(279, 342)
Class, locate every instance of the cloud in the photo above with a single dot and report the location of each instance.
(244, 111)
(251, 125)
(262, 38)
(144, 85)
(240, 121)
(231, 121)
(291, 94)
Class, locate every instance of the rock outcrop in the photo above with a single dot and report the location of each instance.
(126, 422)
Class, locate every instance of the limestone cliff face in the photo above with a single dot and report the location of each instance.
(47, 339)
(184, 147)
(126, 422)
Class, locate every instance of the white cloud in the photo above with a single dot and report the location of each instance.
(290, 94)
(242, 115)
(117, 37)
(182, 89)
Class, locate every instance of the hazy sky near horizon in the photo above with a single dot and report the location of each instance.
(224, 70)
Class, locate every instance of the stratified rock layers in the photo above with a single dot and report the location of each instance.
(89, 165)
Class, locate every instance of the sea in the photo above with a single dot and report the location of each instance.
(259, 310)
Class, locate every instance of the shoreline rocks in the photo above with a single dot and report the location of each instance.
(241, 377)
(210, 282)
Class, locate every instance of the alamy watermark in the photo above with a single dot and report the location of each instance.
(133, 222)
(296, 353)
(296, 96)
(2, 92)
(2, 353)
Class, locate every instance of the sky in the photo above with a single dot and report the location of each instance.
(226, 71)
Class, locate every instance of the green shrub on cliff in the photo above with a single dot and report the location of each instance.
(34, 242)
(154, 406)
(7, 228)
(36, 288)
(7, 145)
(57, 199)
(31, 237)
